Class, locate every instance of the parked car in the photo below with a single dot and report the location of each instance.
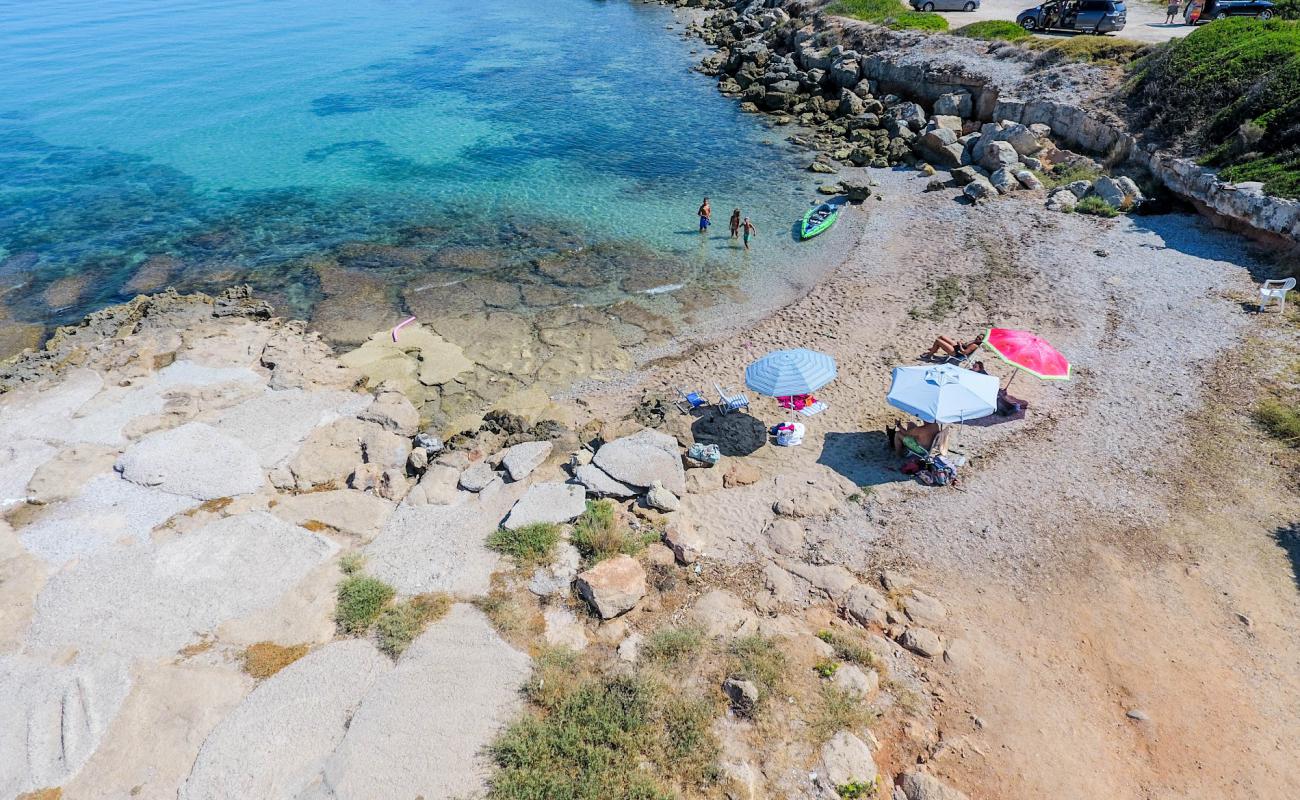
(1222, 9)
(1086, 16)
(945, 5)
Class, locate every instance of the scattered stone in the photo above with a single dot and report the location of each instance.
(847, 759)
(957, 104)
(597, 482)
(1107, 189)
(1004, 181)
(347, 511)
(1080, 189)
(1061, 200)
(686, 543)
(393, 412)
(997, 155)
(547, 502)
(980, 190)
(922, 641)
(1028, 180)
(742, 694)
(520, 461)
(613, 587)
(965, 175)
(194, 460)
(661, 499)
(853, 680)
(1137, 714)
(564, 630)
(740, 473)
(556, 577)
(918, 785)
(418, 460)
(834, 581)
(630, 648)
(866, 606)
(642, 459)
(895, 581)
(657, 554)
(477, 477)
(923, 608)
(438, 486)
(723, 614)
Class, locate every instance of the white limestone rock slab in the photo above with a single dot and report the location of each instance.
(643, 458)
(435, 548)
(54, 717)
(598, 482)
(195, 460)
(276, 742)
(148, 601)
(422, 730)
(276, 423)
(347, 511)
(108, 511)
(520, 461)
(19, 460)
(547, 502)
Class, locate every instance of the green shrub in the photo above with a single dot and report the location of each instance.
(360, 599)
(759, 659)
(1091, 49)
(528, 546)
(846, 649)
(398, 625)
(598, 534)
(826, 668)
(857, 790)
(1281, 420)
(1094, 205)
(673, 645)
(838, 710)
(351, 563)
(994, 30)
(1230, 92)
(890, 13)
(1062, 174)
(591, 736)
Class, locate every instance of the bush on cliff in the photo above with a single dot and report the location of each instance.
(890, 13)
(1229, 93)
(994, 30)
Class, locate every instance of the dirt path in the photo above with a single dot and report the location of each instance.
(1103, 553)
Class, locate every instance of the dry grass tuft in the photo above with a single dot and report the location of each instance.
(55, 793)
(264, 659)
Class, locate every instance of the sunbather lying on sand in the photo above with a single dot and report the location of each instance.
(922, 434)
(954, 348)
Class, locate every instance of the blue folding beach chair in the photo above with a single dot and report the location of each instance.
(690, 401)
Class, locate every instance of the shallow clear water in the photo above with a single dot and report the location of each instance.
(246, 138)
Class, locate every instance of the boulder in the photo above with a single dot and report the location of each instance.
(918, 785)
(556, 578)
(940, 146)
(1130, 189)
(846, 759)
(1107, 189)
(948, 123)
(1079, 189)
(612, 587)
(856, 190)
(910, 115)
(520, 461)
(922, 641)
(660, 499)
(980, 189)
(393, 412)
(722, 614)
(957, 104)
(477, 477)
(1021, 139)
(437, 487)
(547, 502)
(965, 175)
(563, 629)
(685, 542)
(1004, 181)
(194, 460)
(865, 606)
(643, 458)
(305, 709)
(997, 155)
(852, 679)
(1061, 200)
(924, 609)
(845, 72)
(1028, 179)
(850, 104)
(597, 482)
(742, 694)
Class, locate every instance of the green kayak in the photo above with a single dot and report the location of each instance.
(818, 219)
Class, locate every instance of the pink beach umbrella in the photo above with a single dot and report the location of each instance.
(1029, 352)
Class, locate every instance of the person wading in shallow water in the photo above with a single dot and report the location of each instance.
(749, 229)
(706, 216)
(735, 224)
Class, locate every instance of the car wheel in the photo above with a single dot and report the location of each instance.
(1221, 15)
(928, 7)
(1266, 14)
(971, 7)
(1029, 23)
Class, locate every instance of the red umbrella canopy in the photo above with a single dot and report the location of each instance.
(1028, 352)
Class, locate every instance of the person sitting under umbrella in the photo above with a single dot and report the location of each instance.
(905, 436)
(953, 348)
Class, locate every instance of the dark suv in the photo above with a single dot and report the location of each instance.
(1086, 16)
(1221, 9)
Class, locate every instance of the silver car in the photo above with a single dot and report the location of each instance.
(945, 5)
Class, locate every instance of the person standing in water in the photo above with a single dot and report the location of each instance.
(749, 229)
(706, 216)
(735, 224)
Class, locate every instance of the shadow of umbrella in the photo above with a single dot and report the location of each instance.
(861, 456)
(735, 434)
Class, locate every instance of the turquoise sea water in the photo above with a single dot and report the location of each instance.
(247, 139)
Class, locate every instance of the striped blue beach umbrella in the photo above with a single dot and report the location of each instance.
(790, 372)
(943, 393)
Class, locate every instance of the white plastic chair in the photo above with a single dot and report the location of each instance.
(1275, 290)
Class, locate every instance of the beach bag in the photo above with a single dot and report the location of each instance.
(704, 453)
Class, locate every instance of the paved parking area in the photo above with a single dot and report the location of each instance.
(1146, 20)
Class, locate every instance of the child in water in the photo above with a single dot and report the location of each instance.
(749, 229)
(735, 224)
(706, 216)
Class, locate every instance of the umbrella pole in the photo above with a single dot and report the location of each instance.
(1013, 377)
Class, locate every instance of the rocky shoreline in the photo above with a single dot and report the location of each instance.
(864, 91)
